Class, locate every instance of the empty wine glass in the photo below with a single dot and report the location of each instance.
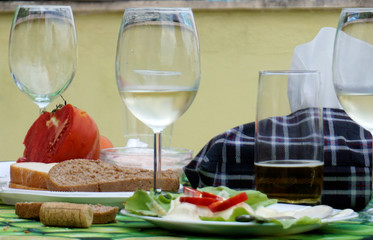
(158, 68)
(352, 64)
(43, 51)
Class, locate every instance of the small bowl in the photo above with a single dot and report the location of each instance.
(142, 157)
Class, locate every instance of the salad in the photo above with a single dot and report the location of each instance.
(220, 204)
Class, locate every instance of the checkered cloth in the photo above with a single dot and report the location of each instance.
(228, 159)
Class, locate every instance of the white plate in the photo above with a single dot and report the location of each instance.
(238, 228)
(4, 173)
(11, 196)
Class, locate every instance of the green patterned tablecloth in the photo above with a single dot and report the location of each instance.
(11, 227)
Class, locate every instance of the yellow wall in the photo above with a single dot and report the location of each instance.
(235, 45)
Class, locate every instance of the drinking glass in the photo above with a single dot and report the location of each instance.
(289, 154)
(158, 68)
(352, 65)
(43, 51)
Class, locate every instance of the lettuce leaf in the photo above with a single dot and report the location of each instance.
(149, 204)
(287, 223)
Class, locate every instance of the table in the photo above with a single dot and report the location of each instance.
(133, 228)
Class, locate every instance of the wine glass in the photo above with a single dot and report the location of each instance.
(158, 68)
(43, 51)
(352, 64)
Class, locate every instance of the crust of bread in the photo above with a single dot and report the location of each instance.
(98, 176)
(19, 186)
(30, 175)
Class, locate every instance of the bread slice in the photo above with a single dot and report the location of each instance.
(104, 214)
(28, 210)
(29, 175)
(98, 176)
(101, 214)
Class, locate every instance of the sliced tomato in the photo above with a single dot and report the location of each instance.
(211, 195)
(191, 192)
(230, 202)
(199, 201)
(64, 134)
(105, 142)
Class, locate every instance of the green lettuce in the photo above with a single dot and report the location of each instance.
(149, 204)
(287, 223)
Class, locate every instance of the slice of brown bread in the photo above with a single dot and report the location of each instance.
(28, 210)
(101, 214)
(98, 176)
(104, 214)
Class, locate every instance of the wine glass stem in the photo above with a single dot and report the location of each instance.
(157, 162)
(42, 110)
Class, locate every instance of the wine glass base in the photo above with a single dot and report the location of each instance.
(158, 191)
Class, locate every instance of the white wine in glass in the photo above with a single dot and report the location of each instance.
(352, 65)
(158, 68)
(43, 51)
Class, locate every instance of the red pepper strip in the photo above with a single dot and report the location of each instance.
(207, 194)
(198, 200)
(230, 202)
(191, 192)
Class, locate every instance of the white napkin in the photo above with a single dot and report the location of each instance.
(315, 55)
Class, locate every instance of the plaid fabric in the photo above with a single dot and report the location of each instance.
(294, 136)
(228, 159)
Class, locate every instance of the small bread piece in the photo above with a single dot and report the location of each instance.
(104, 214)
(29, 175)
(28, 210)
(98, 176)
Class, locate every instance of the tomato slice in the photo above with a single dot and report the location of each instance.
(199, 201)
(211, 195)
(191, 192)
(230, 202)
(64, 134)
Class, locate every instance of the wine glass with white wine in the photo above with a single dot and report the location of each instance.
(158, 68)
(43, 51)
(352, 66)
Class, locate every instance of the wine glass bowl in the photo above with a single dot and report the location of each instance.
(43, 51)
(158, 106)
(352, 61)
(352, 66)
(158, 67)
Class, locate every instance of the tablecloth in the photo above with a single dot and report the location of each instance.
(11, 227)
